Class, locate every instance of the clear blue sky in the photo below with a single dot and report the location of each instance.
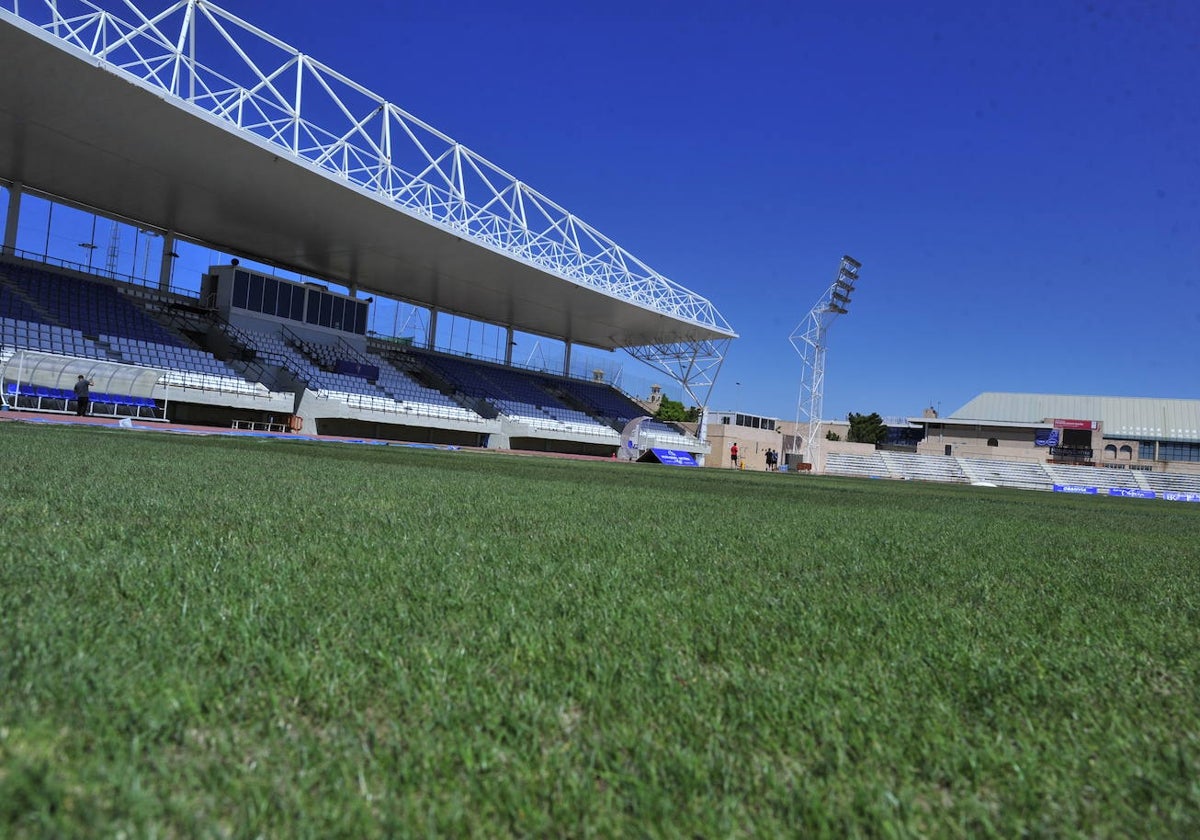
(1021, 181)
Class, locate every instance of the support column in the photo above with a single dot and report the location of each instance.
(9, 245)
(508, 347)
(566, 358)
(432, 337)
(167, 267)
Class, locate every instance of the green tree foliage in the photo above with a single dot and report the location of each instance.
(673, 411)
(866, 428)
(832, 435)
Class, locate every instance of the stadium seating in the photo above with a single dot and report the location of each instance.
(864, 465)
(519, 395)
(70, 316)
(663, 435)
(924, 467)
(48, 338)
(602, 400)
(1028, 476)
(315, 362)
(90, 307)
(1019, 474)
(63, 314)
(1095, 477)
(1171, 482)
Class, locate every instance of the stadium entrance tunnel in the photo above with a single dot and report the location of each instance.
(220, 416)
(562, 447)
(349, 427)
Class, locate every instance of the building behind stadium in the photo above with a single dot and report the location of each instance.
(1121, 433)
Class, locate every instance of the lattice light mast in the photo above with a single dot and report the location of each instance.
(809, 339)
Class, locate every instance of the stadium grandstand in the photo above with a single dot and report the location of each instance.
(1122, 445)
(187, 127)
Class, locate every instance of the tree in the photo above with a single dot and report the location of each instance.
(832, 435)
(867, 428)
(673, 411)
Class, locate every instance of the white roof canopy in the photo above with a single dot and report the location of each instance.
(129, 119)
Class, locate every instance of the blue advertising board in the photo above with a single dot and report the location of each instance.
(1075, 488)
(674, 457)
(1182, 497)
(1129, 493)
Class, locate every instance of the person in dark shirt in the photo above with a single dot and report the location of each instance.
(83, 395)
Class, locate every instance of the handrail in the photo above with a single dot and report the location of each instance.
(35, 259)
(276, 358)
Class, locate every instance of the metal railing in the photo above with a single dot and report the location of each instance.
(33, 259)
(1071, 453)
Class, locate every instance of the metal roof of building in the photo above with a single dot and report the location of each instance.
(1143, 418)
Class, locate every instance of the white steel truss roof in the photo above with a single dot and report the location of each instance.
(211, 64)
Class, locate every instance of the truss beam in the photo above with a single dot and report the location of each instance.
(200, 56)
(693, 364)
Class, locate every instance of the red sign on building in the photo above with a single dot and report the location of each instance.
(1086, 425)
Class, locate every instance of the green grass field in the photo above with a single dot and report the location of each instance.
(220, 637)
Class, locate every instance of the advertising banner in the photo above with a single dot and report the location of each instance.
(1045, 437)
(1075, 488)
(674, 457)
(1129, 493)
(1085, 425)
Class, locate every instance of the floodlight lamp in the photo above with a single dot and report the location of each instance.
(840, 310)
(843, 285)
(851, 261)
(841, 298)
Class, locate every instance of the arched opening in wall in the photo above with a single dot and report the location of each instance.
(1126, 453)
(993, 442)
(1110, 453)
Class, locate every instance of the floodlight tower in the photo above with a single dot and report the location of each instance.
(809, 339)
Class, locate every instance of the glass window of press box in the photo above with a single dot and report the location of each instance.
(1177, 451)
(297, 302)
(749, 421)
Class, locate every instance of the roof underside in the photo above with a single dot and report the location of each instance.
(1133, 417)
(76, 129)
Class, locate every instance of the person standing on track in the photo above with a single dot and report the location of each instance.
(83, 395)
(733, 455)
